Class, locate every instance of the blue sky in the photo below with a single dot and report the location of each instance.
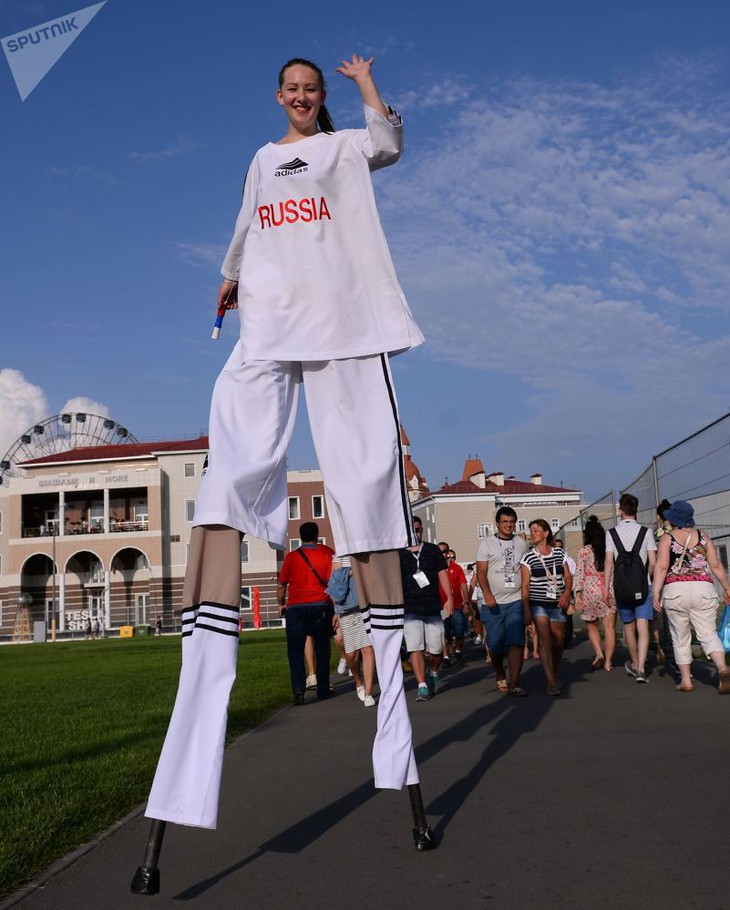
(560, 220)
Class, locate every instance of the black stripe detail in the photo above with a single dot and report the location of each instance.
(201, 625)
(212, 603)
(231, 619)
(386, 628)
(405, 502)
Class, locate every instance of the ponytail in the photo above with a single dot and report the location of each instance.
(324, 121)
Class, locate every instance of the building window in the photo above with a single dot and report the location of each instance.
(244, 551)
(484, 530)
(141, 512)
(555, 524)
(293, 508)
(187, 553)
(1, 522)
(246, 600)
(521, 525)
(190, 469)
(295, 543)
(189, 509)
(318, 507)
(142, 603)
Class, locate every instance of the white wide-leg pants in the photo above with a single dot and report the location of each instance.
(354, 419)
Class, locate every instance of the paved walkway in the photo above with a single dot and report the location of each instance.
(613, 796)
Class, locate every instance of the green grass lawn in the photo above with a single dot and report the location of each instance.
(82, 726)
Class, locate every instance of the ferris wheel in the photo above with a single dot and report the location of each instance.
(62, 433)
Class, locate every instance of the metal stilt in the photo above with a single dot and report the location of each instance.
(147, 877)
(422, 833)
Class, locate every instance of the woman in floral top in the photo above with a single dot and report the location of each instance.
(682, 585)
(592, 600)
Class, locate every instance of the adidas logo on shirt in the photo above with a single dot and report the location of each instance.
(297, 166)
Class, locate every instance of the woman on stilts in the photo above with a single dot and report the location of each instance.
(320, 306)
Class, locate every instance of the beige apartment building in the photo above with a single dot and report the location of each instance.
(462, 513)
(102, 533)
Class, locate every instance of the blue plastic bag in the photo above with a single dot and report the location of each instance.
(724, 630)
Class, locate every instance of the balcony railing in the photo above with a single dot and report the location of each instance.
(96, 527)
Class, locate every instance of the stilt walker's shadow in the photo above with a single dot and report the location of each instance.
(514, 717)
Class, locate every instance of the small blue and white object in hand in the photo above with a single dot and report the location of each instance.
(220, 313)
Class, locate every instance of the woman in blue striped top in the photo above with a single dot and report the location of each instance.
(546, 587)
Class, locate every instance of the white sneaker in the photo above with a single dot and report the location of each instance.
(478, 639)
(342, 667)
(369, 701)
(361, 693)
(312, 682)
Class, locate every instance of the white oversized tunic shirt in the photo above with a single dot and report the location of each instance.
(316, 280)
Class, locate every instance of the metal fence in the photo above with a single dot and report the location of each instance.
(696, 469)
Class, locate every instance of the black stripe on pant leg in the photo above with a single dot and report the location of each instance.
(386, 617)
(366, 619)
(221, 618)
(405, 502)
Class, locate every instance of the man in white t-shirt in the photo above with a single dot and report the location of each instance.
(635, 617)
(498, 574)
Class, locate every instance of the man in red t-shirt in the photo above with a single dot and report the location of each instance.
(307, 609)
(455, 625)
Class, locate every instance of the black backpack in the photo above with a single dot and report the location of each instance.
(630, 582)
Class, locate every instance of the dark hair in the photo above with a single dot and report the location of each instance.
(507, 511)
(595, 537)
(309, 532)
(662, 508)
(628, 504)
(442, 543)
(541, 523)
(324, 121)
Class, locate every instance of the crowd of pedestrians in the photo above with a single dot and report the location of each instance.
(516, 603)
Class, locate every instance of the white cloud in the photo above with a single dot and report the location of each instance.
(181, 146)
(22, 405)
(85, 405)
(578, 238)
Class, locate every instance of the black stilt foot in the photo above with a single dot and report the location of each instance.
(146, 881)
(423, 839)
(147, 877)
(422, 834)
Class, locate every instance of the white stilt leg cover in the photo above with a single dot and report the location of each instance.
(187, 781)
(380, 591)
(394, 764)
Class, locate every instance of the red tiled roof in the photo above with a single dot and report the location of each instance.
(404, 436)
(508, 488)
(118, 452)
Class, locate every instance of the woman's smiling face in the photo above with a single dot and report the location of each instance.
(301, 95)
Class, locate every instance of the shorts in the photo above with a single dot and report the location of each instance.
(354, 636)
(554, 614)
(456, 625)
(505, 625)
(423, 633)
(630, 614)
